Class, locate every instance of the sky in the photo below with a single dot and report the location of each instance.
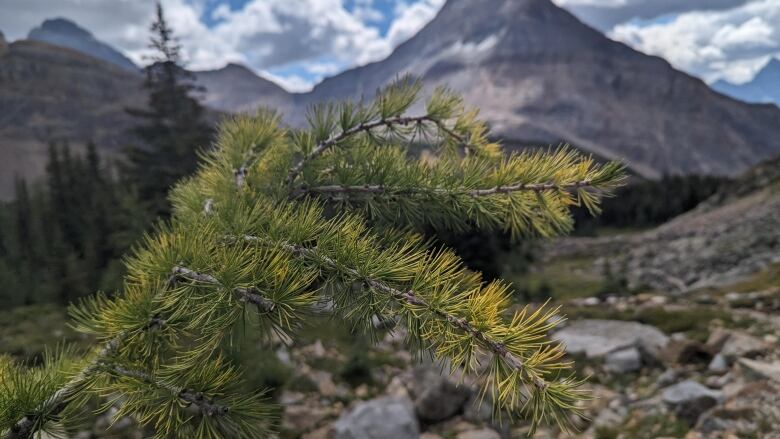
(296, 43)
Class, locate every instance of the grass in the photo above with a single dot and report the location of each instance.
(26, 332)
(758, 281)
(560, 279)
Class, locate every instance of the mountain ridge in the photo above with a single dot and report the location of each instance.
(763, 88)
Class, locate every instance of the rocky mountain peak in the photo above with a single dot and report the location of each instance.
(65, 33)
(61, 26)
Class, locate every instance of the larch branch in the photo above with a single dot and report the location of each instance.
(476, 193)
(411, 298)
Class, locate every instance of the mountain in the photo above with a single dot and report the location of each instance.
(65, 33)
(764, 87)
(49, 93)
(541, 76)
(236, 88)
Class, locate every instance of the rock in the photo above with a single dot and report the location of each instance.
(324, 382)
(623, 361)
(690, 399)
(667, 378)
(484, 433)
(435, 397)
(381, 418)
(300, 418)
(428, 435)
(320, 433)
(761, 369)
(684, 351)
(596, 338)
(718, 364)
(739, 345)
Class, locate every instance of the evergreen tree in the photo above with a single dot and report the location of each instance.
(171, 129)
(275, 222)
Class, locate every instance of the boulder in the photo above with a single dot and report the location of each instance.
(690, 399)
(435, 397)
(382, 418)
(761, 369)
(596, 338)
(623, 361)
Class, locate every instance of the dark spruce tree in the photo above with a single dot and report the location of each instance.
(172, 127)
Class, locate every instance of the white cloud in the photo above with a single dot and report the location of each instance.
(605, 14)
(731, 44)
(410, 18)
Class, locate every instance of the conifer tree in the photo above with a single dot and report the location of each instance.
(276, 221)
(171, 129)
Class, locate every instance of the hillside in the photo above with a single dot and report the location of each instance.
(730, 236)
(54, 93)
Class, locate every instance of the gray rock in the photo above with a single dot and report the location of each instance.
(435, 397)
(596, 338)
(718, 364)
(381, 418)
(623, 361)
(690, 399)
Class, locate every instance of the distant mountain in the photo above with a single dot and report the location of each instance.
(236, 88)
(541, 76)
(764, 87)
(50, 93)
(65, 33)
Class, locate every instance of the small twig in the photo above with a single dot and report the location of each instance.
(242, 293)
(207, 406)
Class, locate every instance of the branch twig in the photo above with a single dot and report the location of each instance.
(366, 127)
(242, 293)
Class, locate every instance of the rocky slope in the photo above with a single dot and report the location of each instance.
(732, 235)
(540, 75)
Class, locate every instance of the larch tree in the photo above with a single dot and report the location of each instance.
(277, 221)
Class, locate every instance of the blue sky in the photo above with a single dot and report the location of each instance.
(298, 42)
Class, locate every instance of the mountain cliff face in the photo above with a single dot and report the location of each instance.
(541, 76)
(65, 33)
(53, 93)
(764, 87)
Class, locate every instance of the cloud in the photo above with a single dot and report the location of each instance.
(605, 14)
(731, 44)
(410, 18)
